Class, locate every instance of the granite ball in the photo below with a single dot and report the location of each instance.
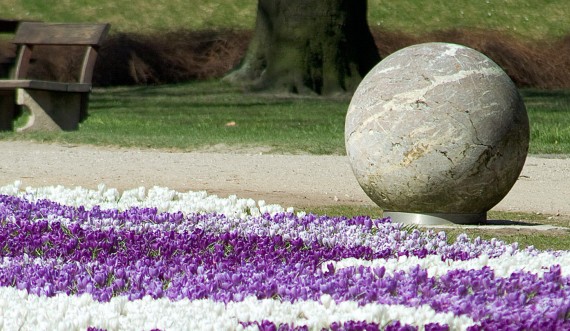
(437, 128)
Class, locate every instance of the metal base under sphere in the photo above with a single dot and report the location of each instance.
(436, 218)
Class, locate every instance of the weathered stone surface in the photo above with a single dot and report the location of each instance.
(437, 128)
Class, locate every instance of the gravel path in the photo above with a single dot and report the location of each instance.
(289, 180)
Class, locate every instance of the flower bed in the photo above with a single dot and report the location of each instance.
(78, 259)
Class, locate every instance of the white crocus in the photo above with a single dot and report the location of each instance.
(503, 266)
(63, 312)
(161, 198)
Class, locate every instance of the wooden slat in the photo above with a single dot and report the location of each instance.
(10, 84)
(88, 65)
(60, 33)
(78, 87)
(44, 85)
(23, 61)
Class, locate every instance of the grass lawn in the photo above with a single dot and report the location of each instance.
(549, 121)
(202, 115)
(532, 19)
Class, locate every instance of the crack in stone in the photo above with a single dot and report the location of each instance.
(478, 142)
(444, 153)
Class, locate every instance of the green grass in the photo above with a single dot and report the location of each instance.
(525, 18)
(345, 210)
(140, 15)
(534, 19)
(549, 116)
(194, 116)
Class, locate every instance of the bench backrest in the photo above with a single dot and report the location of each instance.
(30, 34)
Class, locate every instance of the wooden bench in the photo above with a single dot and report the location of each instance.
(53, 105)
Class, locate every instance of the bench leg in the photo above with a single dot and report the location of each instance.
(50, 111)
(7, 109)
(84, 106)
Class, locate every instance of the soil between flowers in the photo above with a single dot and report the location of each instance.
(289, 180)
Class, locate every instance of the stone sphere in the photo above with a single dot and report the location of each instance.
(437, 128)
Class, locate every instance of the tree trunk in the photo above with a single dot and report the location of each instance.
(321, 47)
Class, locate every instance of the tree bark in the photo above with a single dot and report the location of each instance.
(321, 47)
